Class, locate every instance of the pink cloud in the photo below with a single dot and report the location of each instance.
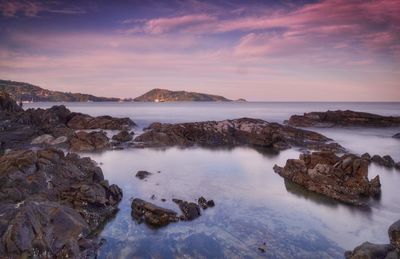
(12, 8)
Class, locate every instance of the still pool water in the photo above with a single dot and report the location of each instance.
(253, 204)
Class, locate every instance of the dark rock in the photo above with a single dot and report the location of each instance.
(387, 251)
(204, 203)
(7, 104)
(386, 161)
(342, 118)
(368, 250)
(394, 235)
(84, 121)
(190, 210)
(397, 165)
(50, 203)
(397, 135)
(123, 136)
(366, 156)
(152, 214)
(245, 131)
(343, 178)
(142, 174)
(89, 141)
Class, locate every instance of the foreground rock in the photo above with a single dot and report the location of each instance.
(152, 214)
(342, 118)
(48, 127)
(245, 131)
(386, 251)
(50, 203)
(343, 178)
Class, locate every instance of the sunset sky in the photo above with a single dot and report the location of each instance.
(333, 50)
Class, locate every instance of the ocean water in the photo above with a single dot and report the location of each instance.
(253, 204)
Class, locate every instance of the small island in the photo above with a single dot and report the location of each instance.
(164, 95)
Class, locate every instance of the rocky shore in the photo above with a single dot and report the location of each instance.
(56, 126)
(238, 132)
(344, 178)
(51, 203)
(342, 118)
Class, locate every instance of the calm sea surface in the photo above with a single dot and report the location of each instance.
(253, 204)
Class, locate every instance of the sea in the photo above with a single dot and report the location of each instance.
(257, 213)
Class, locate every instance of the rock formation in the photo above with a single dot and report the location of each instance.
(51, 203)
(343, 178)
(342, 118)
(163, 95)
(244, 131)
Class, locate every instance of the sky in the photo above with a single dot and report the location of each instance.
(329, 50)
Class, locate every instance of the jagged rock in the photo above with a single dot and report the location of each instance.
(369, 250)
(245, 131)
(386, 161)
(89, 141)
(204, 204)
(342, 118)
(343, 178)
(142, 174)
(84, 121)
(50, 203)
(152, 214)
(190, 210)
(394, 235)
(123, 136)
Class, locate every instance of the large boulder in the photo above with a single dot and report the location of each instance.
(342, 118)
(343, 178)
(84, 141)
(50, 204)
(244, 131)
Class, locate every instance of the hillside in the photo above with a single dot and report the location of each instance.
(26, 92)
(163, 95)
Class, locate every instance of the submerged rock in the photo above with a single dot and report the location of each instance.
(244, 131)
(342, 118)
(204, 204)
(386, 161)
(50, 203)
(142, 174)
(152, 214)
(386, 251)
(343, 178)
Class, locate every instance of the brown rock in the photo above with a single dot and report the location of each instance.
(152, 214)
(343, 178)
(123, 136)
(89, 141)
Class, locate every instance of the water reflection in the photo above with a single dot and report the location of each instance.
(253, 205)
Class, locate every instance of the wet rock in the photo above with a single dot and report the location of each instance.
(244, 131)
(386, 161)
(142, 174)
(49, 140)
(190, 210)
(50, 203)
(343, 178)
(152, 214)
(366, 156)
(397, 166)
(89, 141)
(394, 235)
(387, 251)
(123, 136)
(84, 121)
(204, 204)
(342, 118)
(397, 135)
